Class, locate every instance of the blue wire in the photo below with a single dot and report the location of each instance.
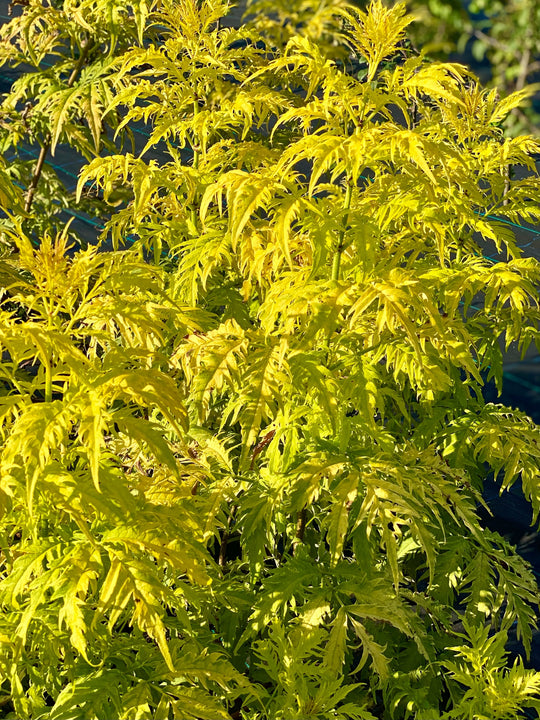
(509, 222)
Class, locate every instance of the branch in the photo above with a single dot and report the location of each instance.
(479, 35)
(267, 439)
(47, 145)
(523, 69)
(339, 249)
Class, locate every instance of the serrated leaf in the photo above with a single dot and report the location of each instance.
(372, 649)
(336, 645)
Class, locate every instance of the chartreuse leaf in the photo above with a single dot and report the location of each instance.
(92, 427)
(338, 520)
(334, 652)
(38, 430)
(375, 33)
(129, 582)
(479, 665)
(282, 587)
(241, 461)
(84, 570)
(93, 694)
(371, 649)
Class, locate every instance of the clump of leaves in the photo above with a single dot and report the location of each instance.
(61, 99)
(503, 35)
(242, 461)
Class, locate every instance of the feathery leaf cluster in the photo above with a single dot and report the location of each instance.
(241, 461)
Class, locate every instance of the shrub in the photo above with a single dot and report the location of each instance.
(242, 460)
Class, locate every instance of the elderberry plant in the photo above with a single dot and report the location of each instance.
(241, 460)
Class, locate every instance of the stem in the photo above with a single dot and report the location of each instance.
(223, 550)
(257, 450)
(48, 380)
(48, 140)
(195, 150)
(48, 360)
(507, 182)
(489, 40)
(222, 559)
(193, 212)
(525, 60)
(523, 69)
(193, 216)
(300, 528)
(301, 524)
(88, 45)
(336, 263)
(36, 174)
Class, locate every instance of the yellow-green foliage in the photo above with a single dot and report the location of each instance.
(503, 34)
(68, 49)
(242, 460)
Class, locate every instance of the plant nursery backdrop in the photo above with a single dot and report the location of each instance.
(244, 437)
